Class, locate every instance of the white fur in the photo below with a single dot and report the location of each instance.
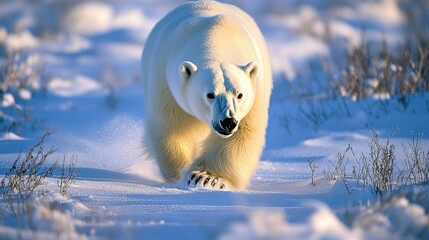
(203, 48)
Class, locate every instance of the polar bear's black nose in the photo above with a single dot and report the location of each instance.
(228, 124)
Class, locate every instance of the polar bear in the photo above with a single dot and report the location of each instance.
(207, 84)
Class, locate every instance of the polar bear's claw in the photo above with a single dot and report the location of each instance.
(191, 177)
(198, 179)
(205, 180)
(214, 182)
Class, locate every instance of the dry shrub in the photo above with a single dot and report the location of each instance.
(380, 72)
(379, 169)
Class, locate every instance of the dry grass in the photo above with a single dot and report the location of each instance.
(22, 184)
(371, 76)
(380, 169)
(417, 160)
(67, 175)
(380, 72)
(313, 168)
(20, 76)
(24, 177)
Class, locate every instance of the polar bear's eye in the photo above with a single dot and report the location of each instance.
(240, 96)
(210, 96)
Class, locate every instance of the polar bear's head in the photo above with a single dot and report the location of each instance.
(218, 94)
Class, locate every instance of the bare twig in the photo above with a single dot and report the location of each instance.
(67, 175)
(313, 168)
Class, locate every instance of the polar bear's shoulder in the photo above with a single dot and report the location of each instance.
(211, 22)
(205, 14)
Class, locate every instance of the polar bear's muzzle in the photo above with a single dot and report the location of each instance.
(228, 124)
(226, 127)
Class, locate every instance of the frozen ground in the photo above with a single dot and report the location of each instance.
(91, 96)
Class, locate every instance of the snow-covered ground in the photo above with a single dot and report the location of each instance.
(87, 90)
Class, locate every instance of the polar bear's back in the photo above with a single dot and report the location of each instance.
(185, 13)
(169, 35)
(189, 18)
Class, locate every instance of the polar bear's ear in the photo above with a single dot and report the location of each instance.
(251, 69)
(186, 69)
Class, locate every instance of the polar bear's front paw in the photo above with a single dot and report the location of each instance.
(206, 180)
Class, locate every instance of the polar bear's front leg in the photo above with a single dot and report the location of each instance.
(173, 149)
(172, 156)
(231, 161)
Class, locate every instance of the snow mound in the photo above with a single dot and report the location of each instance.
(397, 216)
(93, 18)
(76, 86)
(115, 145)
(10, 136)
(50, 217)
(89, 18)
(76, 44)
(123, 51)
(8, 100)
(392, 14)
(269, 224)
(24, 94)
(118, 140)
(131, 18)
(333, 139)
(18, 41)
(285, 56)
